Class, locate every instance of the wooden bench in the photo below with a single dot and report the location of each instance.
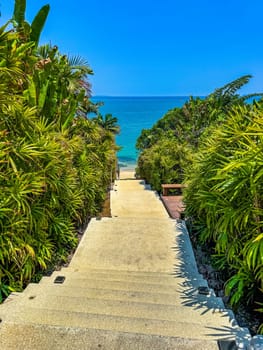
(167, 187)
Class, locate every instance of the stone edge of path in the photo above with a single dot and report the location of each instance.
(243, 336)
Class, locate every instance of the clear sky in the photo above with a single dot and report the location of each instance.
(157, 48)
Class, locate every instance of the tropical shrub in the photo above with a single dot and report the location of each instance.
(224, 196)
(185, 126)
(56, 164)
(169, 157)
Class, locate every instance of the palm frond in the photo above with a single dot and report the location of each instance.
(231, 88)
(80, 63)
(251, 96)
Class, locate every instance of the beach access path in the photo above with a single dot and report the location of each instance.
(131, 284)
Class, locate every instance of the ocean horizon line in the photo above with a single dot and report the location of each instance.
(146, 96)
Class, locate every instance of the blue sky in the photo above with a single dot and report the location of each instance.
(157, 48)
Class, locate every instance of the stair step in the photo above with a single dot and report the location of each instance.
(140, 277)
(15, 336)
(139, 325)
(187, 297)
(143, 286)
(188, 271)
(122, 295)
(201, 313)
(149, 274)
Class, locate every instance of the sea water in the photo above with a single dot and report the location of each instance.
(135, 114)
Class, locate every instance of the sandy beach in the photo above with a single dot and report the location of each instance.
(128, 172)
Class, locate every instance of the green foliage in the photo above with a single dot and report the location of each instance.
(215, 145)
(108, 123)
(27, 32)
(55, 164)
(38, 24)
(169, 157)
(227, 96)
(19, 12)
(225, 197)
(175, 136)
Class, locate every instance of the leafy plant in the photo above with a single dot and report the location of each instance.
(227, 201)
(215, 146)
(56, 164)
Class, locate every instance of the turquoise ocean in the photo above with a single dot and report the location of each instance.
(135, 114)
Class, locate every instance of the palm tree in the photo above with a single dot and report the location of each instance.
(108, 123)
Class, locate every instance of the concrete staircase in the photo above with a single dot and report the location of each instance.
(132, 284)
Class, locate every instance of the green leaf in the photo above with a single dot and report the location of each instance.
(19, 12)
(38, 23)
